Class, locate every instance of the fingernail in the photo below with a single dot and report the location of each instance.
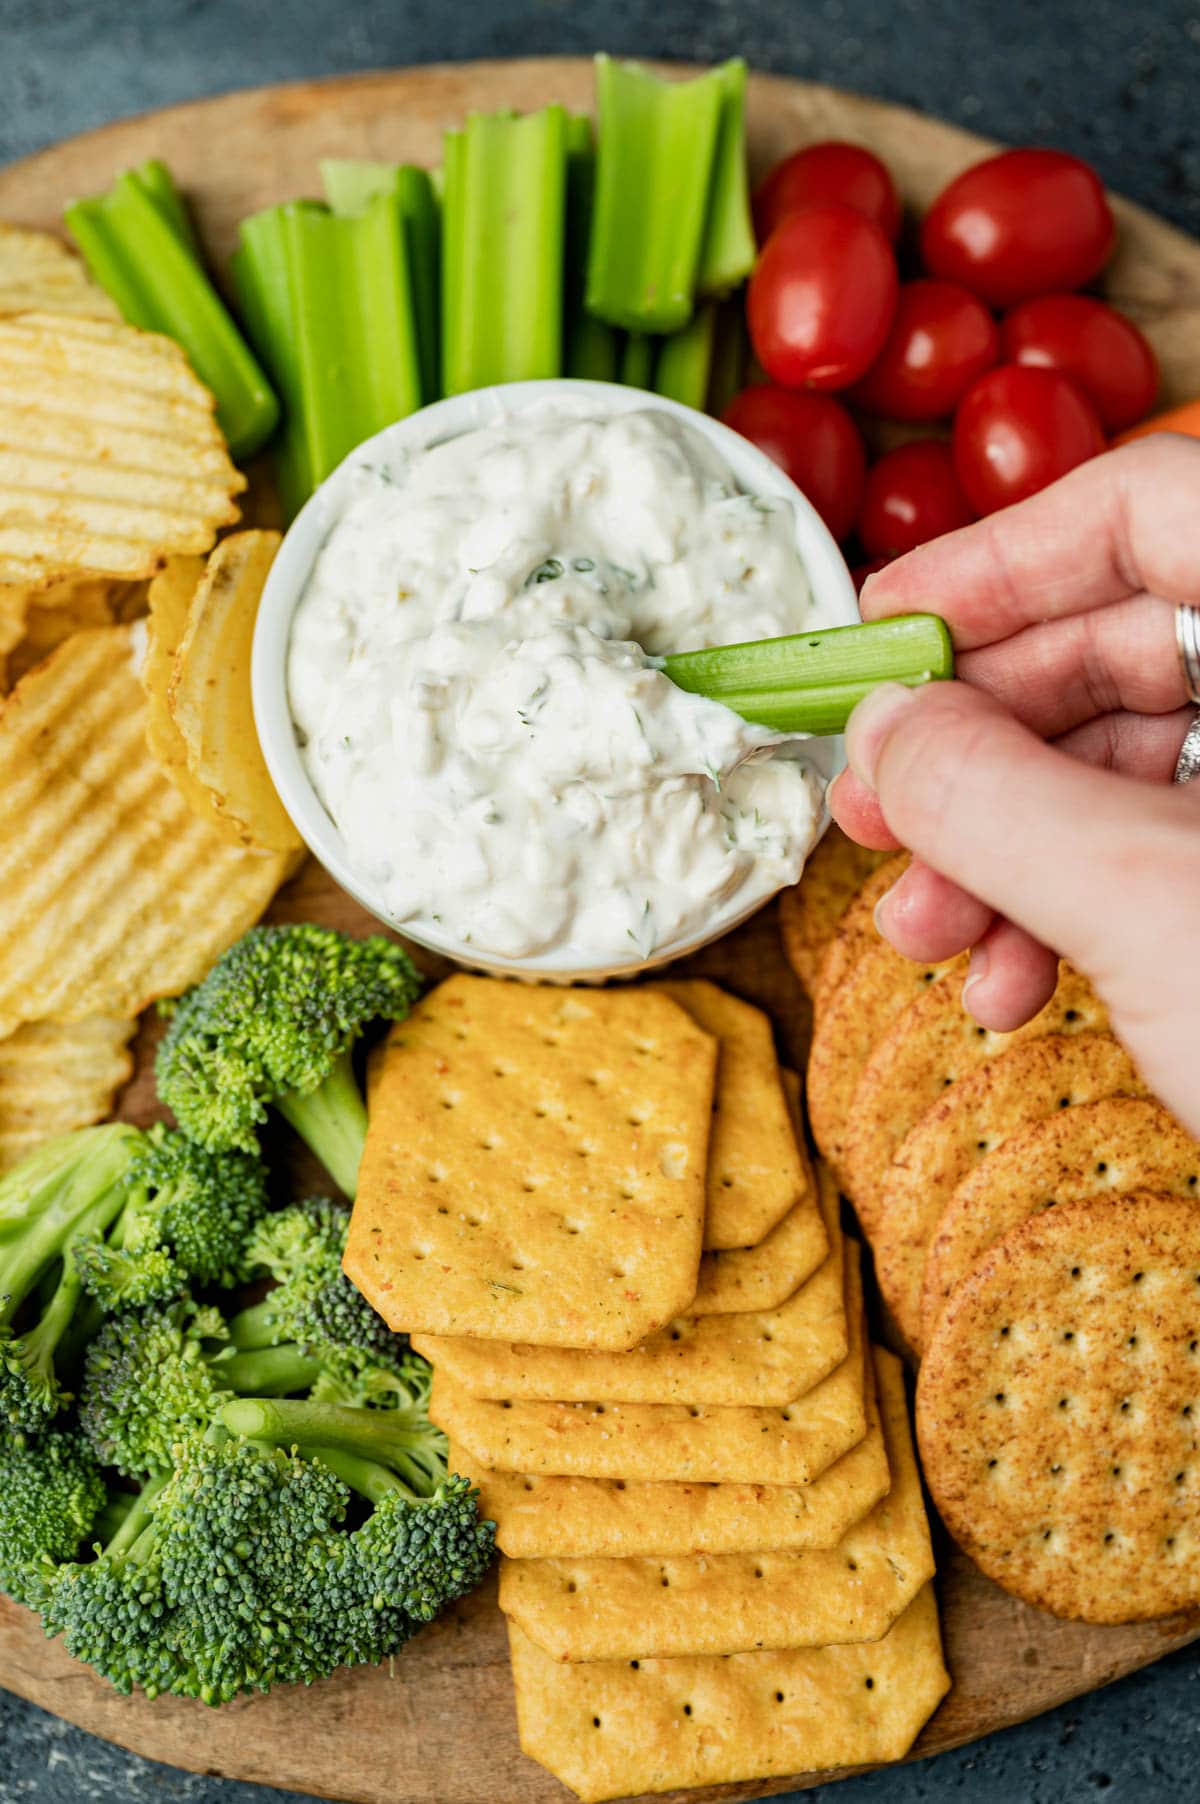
(870, 724)
(881, 905)
(977, 970)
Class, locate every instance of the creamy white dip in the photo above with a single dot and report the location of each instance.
(472, 684)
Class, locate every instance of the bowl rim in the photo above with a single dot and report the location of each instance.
(829, 578)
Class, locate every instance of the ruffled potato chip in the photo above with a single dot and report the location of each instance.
(209, 693)
(57, 1076)
(112, 892)
(110, 455)
(38, 274)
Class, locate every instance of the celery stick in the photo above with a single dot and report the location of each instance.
(684, 362)
(260, 278)
(727, 254)
(730, 353)
(810, 682)
(133, 248)
(352, 316)
(654, 168)
(637, 360)
(423, 232)
(156, 180)
(591, 350)
(351, 183)
(589, 346)
(453, 162)
(502, 258)
(350, 187)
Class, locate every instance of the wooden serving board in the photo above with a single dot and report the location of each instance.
(439, 1728)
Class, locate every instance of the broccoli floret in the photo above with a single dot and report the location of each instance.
(111, 1610)
(313, 1303)
(186, 1217)
(240, 1569)
(66, 1193)
(274, 1022)
(156, 1378)
(52, 1493)
(423, 1544)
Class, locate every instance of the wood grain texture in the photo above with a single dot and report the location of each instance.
(439, 1727)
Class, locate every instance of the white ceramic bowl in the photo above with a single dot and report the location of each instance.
(828, 576)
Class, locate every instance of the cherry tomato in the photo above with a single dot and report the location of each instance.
(1019, 429)
(823, 172)
(1022, 223)
(911, 495)
(813, 440)
(821, 298)
(942, 337)
(1103, 353)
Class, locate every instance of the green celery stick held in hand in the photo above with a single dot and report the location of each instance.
(810, 682)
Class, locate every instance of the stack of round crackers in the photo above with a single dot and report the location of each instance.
(594, 1213)
(1034, 1215)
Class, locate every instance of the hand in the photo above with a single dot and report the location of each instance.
(1062, 611)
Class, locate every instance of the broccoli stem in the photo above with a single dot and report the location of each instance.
(269, 1371)
(400, 1439)
(366, 1476)
(253, 1327)
(47, 1200)
(40, 1344)
(332, 1121)
(138, 1520)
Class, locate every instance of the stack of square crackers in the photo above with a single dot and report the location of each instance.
(1035, 1219)
(593, 1212)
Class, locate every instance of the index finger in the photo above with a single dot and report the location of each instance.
(1123, 524)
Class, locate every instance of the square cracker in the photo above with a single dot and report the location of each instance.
(535, 1165)
(610, 1729)
(692, 1443)
(758, 1357)
(604, 1518)
(754, 1169)
(760, 1277)
(690, 1603)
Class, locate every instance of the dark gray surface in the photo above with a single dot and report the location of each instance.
(1115, 81)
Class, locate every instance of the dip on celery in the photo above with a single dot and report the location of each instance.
(471, 676)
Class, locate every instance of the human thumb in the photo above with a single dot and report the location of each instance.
(1103, 868)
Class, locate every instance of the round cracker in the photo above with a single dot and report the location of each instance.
(1111, 1147)
(1058, 1410)
(931, 1047)
(834, 872)
(1027, 1083)
(879, 987)
(855, 930)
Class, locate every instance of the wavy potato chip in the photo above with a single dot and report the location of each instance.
(171, 595)
(112, 893)
(56, 610)
(38, 274)
(56, 1076)
(209, 693)
(110, 455)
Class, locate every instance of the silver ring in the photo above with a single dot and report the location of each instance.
(1188, 765)
(1187, 638)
